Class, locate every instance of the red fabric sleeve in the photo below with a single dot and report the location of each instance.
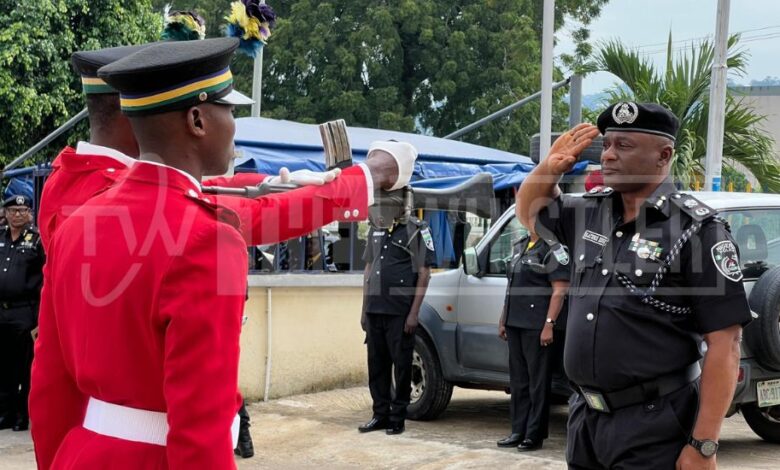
(56, 404)
(278, 217)
(239, 180)
(202, 347)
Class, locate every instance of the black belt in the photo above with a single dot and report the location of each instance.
(8, 305)
(607, 402)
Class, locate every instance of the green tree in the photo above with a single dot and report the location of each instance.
(684, 88)
(427, 65)
(414, 65)
(38, 88)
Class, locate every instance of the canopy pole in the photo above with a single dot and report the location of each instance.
(545, 120)
(257, 81)
(717, 111)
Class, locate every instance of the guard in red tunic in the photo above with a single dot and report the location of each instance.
(81, 173)
(137, 360)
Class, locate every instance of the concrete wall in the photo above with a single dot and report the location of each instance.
(315, 336)
(764, 100)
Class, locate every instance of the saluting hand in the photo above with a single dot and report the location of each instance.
(565, 150)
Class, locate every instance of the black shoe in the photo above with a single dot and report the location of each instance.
(395, 428)
(245, 449)
(375, 424)
(6, 422)
(511, 440)
(529, 445)
(21, 425)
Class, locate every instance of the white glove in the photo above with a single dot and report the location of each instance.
(303, 177)
(404, 154)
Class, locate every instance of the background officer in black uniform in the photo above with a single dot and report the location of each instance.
(398, 261)
(534, 306)
(21, 278)
(655, 272)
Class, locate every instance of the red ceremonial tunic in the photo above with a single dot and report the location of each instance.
(142, 308)
(269, 219)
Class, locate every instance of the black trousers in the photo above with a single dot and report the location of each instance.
(389, 347)
(644, 436)
(530, 378)
(16, 353)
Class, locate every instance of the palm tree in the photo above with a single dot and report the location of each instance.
(684, 89)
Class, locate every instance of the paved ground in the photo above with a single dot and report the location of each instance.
(318, 431)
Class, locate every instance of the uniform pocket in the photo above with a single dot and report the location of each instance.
(640, 271)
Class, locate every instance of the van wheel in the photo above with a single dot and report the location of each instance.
(763, 421)
(430, 392)
(762, 335)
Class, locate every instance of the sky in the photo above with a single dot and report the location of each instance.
(645, 24)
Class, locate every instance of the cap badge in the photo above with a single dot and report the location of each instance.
(19, 200)
(625, 113)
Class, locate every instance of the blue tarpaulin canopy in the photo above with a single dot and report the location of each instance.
(266, 145)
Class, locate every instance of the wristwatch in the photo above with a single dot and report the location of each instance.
(706, 447)
(550, 321)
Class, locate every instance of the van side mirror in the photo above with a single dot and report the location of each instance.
(471, 262)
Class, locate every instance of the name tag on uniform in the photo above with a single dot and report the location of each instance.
(594, 237)
(379, 234)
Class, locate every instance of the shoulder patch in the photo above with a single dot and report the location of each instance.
(724, 255)
(599, 191)
(427, 238)
(696, 209)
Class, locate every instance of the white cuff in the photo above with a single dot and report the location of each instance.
(369, 183)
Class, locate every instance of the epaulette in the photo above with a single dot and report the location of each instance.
(696, 209)
(221, 213)
(418, 222)
(599, 191)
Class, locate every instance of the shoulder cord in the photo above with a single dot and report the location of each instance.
(647, 294)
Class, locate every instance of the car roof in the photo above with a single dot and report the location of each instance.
(726, 200)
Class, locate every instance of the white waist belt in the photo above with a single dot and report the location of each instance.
(133, 424)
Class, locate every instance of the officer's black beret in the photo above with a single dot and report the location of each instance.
(18, 200)
(174, 75)
(87, 63)
(649, 118)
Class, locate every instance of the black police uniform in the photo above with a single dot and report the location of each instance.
(21, 278)
(395, 257)
(643, 293)
(529, 288)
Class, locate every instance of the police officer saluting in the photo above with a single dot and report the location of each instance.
(655, 273)
(21, 277)
(398, 259)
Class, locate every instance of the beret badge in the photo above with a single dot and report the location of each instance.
(625, 113)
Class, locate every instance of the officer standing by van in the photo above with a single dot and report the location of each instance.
(21, 278)
(398, 259)
(656, 272)
(534, 318)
